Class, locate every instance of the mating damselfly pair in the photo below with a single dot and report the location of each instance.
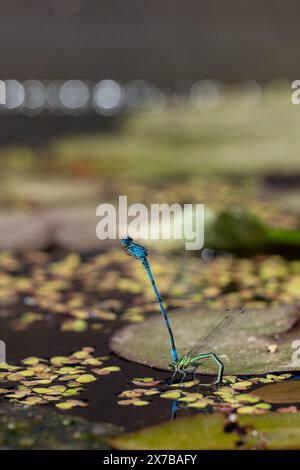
(204, 349)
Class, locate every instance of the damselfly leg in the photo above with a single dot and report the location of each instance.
(218, 362)
(183, 376)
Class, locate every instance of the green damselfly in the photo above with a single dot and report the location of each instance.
(226, 325)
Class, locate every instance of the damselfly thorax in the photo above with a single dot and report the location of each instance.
(134, 249)
(190, 364)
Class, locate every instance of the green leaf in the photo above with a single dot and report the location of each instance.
(244, 352)
(208, 432)
(238, 231)
(197, 432)
(274, 431)
(235, 231)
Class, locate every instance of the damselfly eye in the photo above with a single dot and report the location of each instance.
(126, 241)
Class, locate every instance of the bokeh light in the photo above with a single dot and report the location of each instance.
(35, 96)
(74, 95)
(107, 97)
(207, 93)
(15, 94)
(251, 93)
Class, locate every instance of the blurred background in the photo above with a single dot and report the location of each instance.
(164, 102)
(181, 102)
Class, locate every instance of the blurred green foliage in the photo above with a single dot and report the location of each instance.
(233, 138)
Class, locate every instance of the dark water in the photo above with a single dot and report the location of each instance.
(45, 340)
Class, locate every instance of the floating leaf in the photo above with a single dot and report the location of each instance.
(242, 385)
(198, 404)
(68, 370)
(126, 402)
(263, 406)
(15, 377)
(147, 343)
(32, 383)
(146, 382)
(103, 315)
(143, 379)
(18, 394)
(31, 401)
(74, 325)
(67, 405)
(55, 390)
(229, 379)
(134, 402)
(112, 368)
(26, 373)
(59, 360)
(86, 378)
(197, 432)
(173, 395)
(52, 397)
(92, 361)
(106, 370)
(187, 384)
(249, 410)
(148, 393)
(273, 430)
(140, 403)
(71, 392)
(32, 361)
(130, 394)
(188, 399)
(244, 398)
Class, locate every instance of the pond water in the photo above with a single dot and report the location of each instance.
(46, 339)
(101, 395)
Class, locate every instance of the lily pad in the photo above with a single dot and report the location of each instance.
(274, 431)
(86, 378)
(245, 352)
(283, 392)
(259, 430)
(197, 432)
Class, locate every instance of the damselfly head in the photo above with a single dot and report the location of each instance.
(126, 241)
(172, 366)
